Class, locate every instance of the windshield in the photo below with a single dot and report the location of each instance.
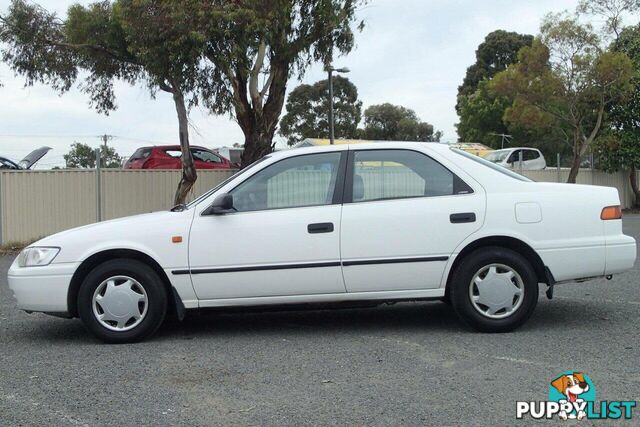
(491, 165)
(223, 183)
(497, 156)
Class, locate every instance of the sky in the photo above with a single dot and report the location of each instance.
(411, 52)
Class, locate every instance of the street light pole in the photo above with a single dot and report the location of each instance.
(330, 71)
(331, 125)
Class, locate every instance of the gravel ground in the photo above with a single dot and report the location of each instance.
(407, 364)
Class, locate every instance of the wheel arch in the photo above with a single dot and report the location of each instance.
(516, 245)
(99, 257)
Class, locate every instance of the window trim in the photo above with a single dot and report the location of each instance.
(348, 189)
(338, 188)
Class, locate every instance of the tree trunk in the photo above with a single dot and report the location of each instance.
(575, 168)
(257, 144)
(189, 174)
(634, 186)
(259, 123)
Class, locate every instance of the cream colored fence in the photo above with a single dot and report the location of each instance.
(39, 203)
(618, 180)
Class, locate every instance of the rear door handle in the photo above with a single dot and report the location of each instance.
(321, 227)
(459, 218)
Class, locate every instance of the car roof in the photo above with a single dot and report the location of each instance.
(518, 148)
(176, 147)
(442, 147)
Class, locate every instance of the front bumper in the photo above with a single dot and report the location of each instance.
(42, 288)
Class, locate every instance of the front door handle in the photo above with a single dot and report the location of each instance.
(460, 218)
(321, 227)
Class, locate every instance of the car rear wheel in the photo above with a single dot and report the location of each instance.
(494, 289)
(122, 301)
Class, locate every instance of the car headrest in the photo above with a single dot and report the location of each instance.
(358, 187)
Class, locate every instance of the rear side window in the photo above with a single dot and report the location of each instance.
(490, 165)
(140, 153)
(397, 174)
(205, 156)
(531, 155)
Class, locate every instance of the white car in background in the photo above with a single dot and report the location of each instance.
(532, 158)
(379, 222)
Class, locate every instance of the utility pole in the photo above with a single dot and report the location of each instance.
(105, 139)
(330, 70)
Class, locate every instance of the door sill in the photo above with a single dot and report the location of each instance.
(325, 298)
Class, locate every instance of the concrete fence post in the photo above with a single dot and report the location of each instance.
(558, 167)
(98, 186)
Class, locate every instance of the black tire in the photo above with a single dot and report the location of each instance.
(464, 274)
(147, 278)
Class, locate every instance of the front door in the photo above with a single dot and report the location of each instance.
(404, 215)
(284, 238)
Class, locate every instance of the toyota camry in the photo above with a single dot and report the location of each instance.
(374, 223)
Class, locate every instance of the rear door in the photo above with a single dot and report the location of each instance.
(404, 215)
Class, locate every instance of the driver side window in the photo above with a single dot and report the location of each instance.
(307, 180)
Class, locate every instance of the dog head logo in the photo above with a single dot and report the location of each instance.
(572, 390)
(571, 385)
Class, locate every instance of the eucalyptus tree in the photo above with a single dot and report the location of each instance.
(254, 47)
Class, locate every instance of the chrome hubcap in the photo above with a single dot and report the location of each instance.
(496, 291)
(120, 303)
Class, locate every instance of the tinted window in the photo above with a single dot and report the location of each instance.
(140, 153)
(531, 155)
(205, 156)
(515, 157)
(490, 165)
(394, 174)
(294, 182)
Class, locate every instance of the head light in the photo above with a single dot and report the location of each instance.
(37, 256)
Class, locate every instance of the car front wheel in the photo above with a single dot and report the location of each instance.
(494, 289)
(122, 301)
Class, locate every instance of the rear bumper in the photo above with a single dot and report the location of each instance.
(615, 255)
(42, 288)
(620, 254)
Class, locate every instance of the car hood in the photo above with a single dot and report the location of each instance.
(33, 157)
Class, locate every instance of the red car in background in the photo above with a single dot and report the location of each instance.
(168, 157)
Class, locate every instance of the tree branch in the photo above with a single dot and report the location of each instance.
(255, 73)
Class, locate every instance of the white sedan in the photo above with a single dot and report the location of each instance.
(374, 222)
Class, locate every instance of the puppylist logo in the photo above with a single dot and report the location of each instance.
(572, 396)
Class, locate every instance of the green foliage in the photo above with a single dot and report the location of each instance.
(388, 122)
(308, 111)
(620, 147)
(566, 80)
(481, 111)
(481, 116)
(83, 156)
(255, 46)
(498, 50)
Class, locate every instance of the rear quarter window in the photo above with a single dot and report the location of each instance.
(140, 153)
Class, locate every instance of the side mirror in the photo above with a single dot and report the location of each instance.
(221, 205)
